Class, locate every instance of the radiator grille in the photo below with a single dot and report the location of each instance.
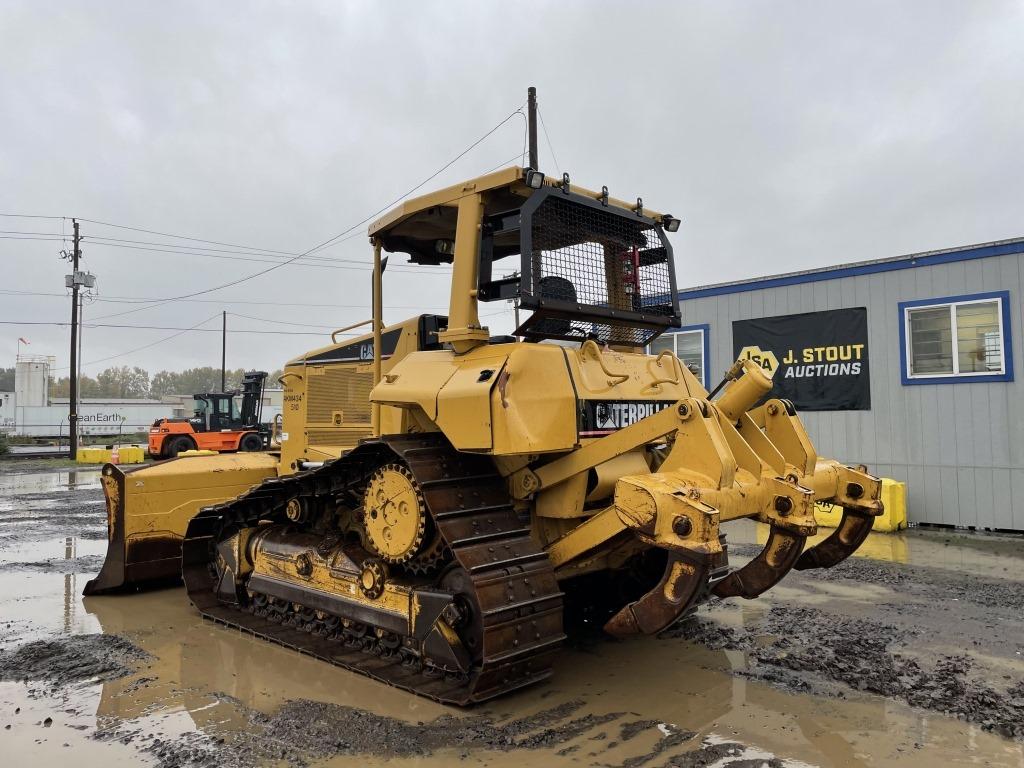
(339, 388)
(343, 436)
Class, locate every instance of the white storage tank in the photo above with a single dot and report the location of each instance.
(32, 381)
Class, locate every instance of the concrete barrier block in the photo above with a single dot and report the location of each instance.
(92, 456)
(131, 454)
(894, 518)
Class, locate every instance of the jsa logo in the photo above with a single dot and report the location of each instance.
(763, 357)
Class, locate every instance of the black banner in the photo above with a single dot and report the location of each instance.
(819, 360)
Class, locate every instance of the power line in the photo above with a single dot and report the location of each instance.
(517, 157)
(186, 237)
(280, 322)
(179, 246)
(291, 259)
(547, 138)
(431, 177)
(50, 238)
(145, 346)
(321, 262)
(256, 302)
(173, 328)
(30, 216)
(200, 251)
(333, 239)
(504, 164)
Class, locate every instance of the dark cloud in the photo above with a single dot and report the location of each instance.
(787, 135)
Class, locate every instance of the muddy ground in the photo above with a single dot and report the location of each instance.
(911, 656)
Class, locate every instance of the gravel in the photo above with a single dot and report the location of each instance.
(72, 658)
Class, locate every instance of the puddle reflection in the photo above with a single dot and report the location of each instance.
(202, 669)
(980, 554)
(46, 482)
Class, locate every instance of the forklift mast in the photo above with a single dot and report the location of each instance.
(252, 398)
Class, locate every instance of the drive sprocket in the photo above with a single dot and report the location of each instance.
(394, 514)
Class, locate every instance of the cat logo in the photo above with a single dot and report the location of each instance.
(366, 351)
(603, 417)
(763, 357)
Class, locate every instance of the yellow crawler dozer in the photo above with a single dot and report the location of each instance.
(442, 497)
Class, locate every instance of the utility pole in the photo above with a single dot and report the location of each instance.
(223, 350)
(81, 333)
(531, 121)
(73, 377)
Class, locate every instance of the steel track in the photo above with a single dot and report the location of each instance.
(516, 602)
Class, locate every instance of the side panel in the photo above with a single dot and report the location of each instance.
(464, 402)
(533, 403)
(521, 398)
(416, 381)
(502, 398)
(610, 375)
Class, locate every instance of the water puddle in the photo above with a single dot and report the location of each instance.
(636, 703)
(28, 740)
(205, 678)
(48, 552)
(48, 482)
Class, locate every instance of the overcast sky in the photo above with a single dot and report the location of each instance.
(786, 135)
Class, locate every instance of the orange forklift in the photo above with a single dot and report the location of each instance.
(218, 423)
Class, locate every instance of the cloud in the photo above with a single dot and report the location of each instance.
(786, 135)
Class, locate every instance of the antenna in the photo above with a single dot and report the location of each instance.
(531, 121)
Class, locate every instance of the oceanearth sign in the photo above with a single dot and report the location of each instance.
(819, 360)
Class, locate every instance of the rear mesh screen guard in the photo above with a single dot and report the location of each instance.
(591, 270)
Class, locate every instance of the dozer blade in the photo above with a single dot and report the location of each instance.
(681, 586)
(767, 569)
(148, 509)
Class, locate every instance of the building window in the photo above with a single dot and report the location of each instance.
(690, 345)
(958, 339)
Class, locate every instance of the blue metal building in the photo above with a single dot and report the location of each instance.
(946, 411)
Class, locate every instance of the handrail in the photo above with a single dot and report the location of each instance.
(286, 374)
(334, 336)
(591, 345)
(274, 432)
(669, 353)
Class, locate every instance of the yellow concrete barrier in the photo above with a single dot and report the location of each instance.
(894, 497)
(126, 454)
(132, 454)
(203, 452)
(92, 456)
